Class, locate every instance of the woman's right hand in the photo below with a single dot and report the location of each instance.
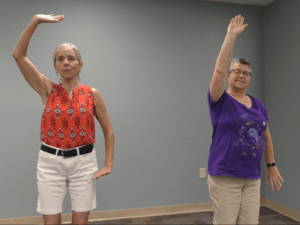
(42, 18)
(236, 26)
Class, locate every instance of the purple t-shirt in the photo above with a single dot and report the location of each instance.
(237, 142)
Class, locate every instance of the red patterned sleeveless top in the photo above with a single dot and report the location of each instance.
(68, 123)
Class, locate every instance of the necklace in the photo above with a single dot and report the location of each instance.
(235, 98)
(71, 90)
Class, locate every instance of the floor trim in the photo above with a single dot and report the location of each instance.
(282, 209)
(152, 211)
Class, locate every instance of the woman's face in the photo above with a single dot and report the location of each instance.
(67, 64)
(239, 81)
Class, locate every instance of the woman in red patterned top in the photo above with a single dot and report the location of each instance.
(67, 157)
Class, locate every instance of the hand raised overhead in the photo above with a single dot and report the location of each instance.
(41, 18)
(236, 26)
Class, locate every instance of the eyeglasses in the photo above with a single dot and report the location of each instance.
(238, 72)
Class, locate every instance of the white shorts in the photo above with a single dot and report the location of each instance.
(55, 174)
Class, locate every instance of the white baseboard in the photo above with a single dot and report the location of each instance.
(152, 211)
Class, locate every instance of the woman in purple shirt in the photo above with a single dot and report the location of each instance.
(240, 137)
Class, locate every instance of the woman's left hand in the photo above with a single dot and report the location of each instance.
(102, 172)
(274, 176)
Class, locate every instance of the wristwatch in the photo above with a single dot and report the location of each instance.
(270, 164)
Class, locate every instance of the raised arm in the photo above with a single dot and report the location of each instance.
(37, 81)
(218, 82)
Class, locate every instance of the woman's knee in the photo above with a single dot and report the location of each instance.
(52, 219)
(80, 217)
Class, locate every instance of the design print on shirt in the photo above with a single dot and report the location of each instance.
(53, 122)
(67, 123)
(50, 133)
(77, 121)
(43, 135)
(82, 110)
(57, 111)
(82, 133)
(72, 135)
(80, 92)
(61, 135)
(249, 135)
(64, 101)
(70, 111)
(47, 111)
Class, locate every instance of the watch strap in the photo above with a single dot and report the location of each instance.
(270, 164)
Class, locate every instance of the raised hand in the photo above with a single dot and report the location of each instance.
(236, 26)
(41, 18)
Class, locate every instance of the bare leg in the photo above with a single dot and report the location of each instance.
(52, 219)
(80, 217)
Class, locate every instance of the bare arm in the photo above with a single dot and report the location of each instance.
(269, 151)
(273, 174)
(37, 81)
(218, 83)
(103, 118)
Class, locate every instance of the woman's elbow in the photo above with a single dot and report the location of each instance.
(108, 132)
(15, 55)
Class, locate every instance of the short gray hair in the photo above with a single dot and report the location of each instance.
(76, 50)
(240, 60)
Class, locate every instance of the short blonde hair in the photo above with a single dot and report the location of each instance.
(76, 50)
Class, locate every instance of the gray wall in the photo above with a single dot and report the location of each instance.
(153, 62)
(282, 46)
